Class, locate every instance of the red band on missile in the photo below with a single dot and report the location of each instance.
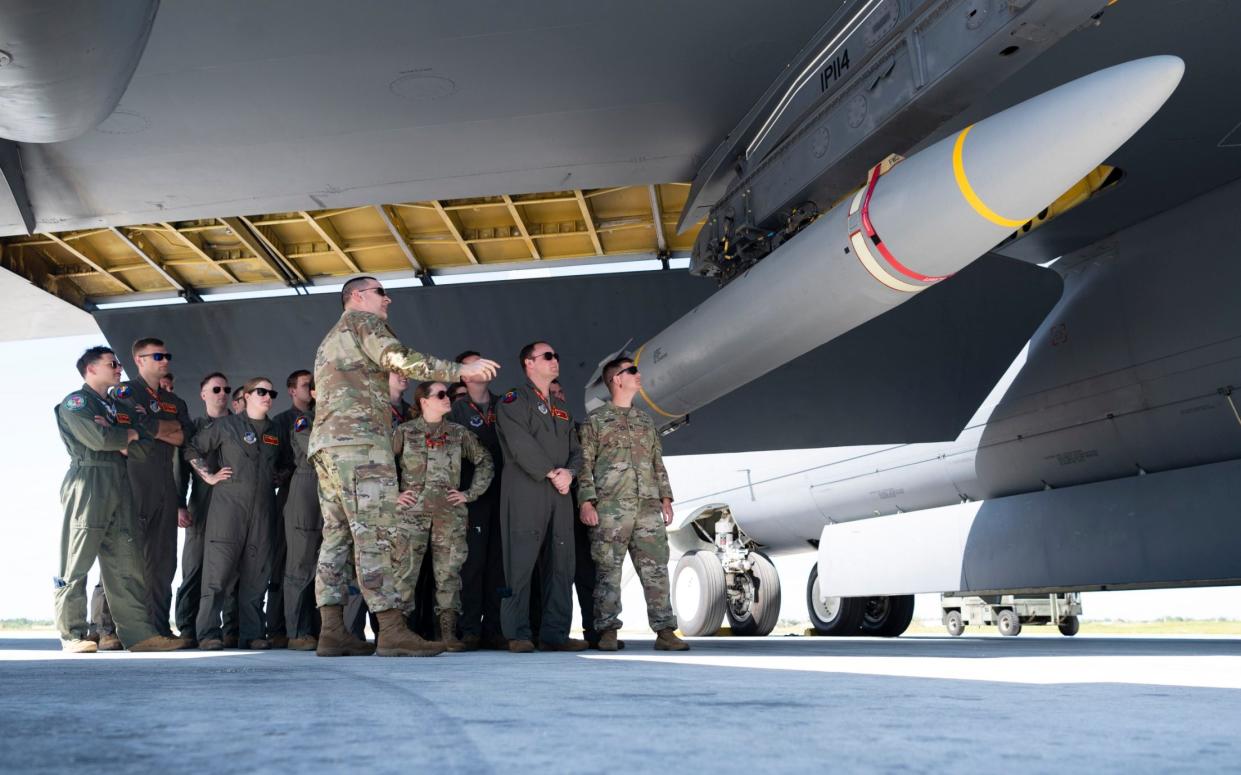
(873, 178)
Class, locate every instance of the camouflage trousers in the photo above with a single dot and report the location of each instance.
(357, 496)
(445, 532)
(636, 528)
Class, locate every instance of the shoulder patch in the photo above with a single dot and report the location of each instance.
(75, 401)
(301, 424)
(123, 391)
(509, 397)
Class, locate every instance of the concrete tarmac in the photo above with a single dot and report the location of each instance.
(972, 704)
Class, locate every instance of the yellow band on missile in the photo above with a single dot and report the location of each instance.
(637, 358)
(967, 191)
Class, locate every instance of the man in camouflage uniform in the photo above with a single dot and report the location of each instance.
(99, 513)
(351, 448)
(627, 502)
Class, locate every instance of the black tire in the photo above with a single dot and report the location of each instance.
(1069, 626)
(1008, 623)
(839, 620)
(702, 614)
(887, 616)
(954, 623)
(764, 613)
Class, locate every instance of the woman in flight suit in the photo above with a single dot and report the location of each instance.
(238, 536)
(429, 450)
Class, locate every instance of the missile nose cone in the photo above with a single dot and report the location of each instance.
(972, 189)
(1023, 158)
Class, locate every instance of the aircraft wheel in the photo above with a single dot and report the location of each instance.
(954, 623)
(698, 595)
(1069, 626)
(1008, 623)
(764, 613)
(887, 616)
(837, 616)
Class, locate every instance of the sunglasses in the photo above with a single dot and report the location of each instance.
(265, 392)
(157, 356)
(376, 289)
(112, 364)
(221, 389)
(547, 356)
(438, 395)
(629, 370)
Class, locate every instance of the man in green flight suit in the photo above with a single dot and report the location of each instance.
(351, 448)
(99, 513)
(158, 498)
(541, 458)
(627, 503)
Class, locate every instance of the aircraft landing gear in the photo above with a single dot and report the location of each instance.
(883, 616)
(736, 580)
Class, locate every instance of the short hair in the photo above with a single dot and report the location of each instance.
(170, 376)
(527, 351)
(210, 377)
(467, 354)
(612, 368)
(291, 382)
(237, 392)
(352, 285)
(143, 343)
(556, 381)
(91, 356)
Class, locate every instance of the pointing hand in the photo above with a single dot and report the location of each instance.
(481, 370)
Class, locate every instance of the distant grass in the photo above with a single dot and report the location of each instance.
(26, 624)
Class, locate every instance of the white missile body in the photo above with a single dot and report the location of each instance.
(909, 228)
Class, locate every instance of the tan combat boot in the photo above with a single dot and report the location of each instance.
(667, 640)
(109, 642)
(211, 644)
(279, 641)
(78, 646)
(570, 644)
(448, 632)
(259, 644)
(397, 640)
(230, 641)
(307, 643)
(335, 640)
(607, 641)
(157, 643)
(472, 642)
(521, 647)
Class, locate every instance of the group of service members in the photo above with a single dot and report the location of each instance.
(326, 511)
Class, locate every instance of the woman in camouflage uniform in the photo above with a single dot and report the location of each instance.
(429, 450)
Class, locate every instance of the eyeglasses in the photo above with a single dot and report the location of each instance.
(260, 391)
(221, 389)
(629, 370)
(438, 395)
(547, 356)
(377, 289)
(157, 356)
